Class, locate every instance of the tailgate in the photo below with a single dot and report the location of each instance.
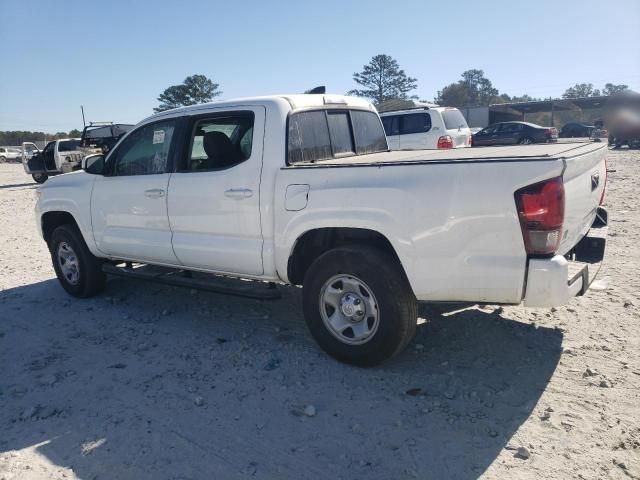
(584, 182)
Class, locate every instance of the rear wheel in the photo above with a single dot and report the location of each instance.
(78, 270)
(526, 141)
(40, 177)
(358, 305)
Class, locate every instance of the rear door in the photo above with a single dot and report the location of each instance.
(509, 133)
(392, 130)
(214, 196)
(129, 203)
(415, 132)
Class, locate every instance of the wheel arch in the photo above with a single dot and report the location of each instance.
(313, 243)
(54, 219)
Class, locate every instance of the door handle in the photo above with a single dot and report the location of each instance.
(154, 193)
(238, 193)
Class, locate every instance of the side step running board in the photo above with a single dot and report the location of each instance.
(206, 282)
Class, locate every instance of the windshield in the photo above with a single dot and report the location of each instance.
(68, 145)
(453, 119)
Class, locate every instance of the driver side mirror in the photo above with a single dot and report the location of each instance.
(93, 164)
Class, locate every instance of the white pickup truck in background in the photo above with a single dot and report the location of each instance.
(58, 156)
(303, 190)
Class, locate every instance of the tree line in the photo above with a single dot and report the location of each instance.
(380, 80)
(14, 138)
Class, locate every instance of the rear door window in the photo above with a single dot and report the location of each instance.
(453, 119)
(415, 123)
(68, 145)
(220, 142)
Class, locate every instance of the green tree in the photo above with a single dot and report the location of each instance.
(383, 79)
(194, 90)
(75, 133)
(611, 88)
(472, 89)
(580, 90)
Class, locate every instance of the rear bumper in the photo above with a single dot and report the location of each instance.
(551, 282)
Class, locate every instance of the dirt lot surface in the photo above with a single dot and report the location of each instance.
(156, 382)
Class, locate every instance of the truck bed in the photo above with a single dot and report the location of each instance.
(543, 151)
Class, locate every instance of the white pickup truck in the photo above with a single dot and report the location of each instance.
(303, 190)
(58, 156)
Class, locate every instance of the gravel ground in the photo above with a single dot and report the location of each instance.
(149, 381)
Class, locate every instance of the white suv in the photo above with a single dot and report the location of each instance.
(10, 154)
(421, 128)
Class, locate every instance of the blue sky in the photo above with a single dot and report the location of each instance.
(115, 57)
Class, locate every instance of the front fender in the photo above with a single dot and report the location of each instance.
(69, 193)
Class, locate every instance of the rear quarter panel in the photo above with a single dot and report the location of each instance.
(453, 225)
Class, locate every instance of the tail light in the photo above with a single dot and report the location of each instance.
(550, 132)
(469, 140)
(445, 142)
(541, 211)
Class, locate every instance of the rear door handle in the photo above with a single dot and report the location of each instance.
(154, 193)
(238, 193)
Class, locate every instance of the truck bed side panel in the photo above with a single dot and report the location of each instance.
(453, 225)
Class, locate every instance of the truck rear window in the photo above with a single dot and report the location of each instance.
(326, 134)
(453, 119)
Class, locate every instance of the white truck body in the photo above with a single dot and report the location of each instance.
(448, 215)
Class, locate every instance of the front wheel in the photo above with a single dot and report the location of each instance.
(3, 159)
(358, 305)
(40, 177)
(526, 141)
(78, 270)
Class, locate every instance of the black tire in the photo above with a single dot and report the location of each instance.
(91, 279)
(397, 308)
(3, 159)
(526, 141)
(40, 177)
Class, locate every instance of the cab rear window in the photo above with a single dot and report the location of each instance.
(326, 134)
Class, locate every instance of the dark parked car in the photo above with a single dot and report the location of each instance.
(574, 130)
(511, 133)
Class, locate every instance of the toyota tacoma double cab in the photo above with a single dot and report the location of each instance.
(303, 190)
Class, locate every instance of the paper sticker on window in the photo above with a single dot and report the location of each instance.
(158, 136)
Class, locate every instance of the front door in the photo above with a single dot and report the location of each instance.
(214, 196)
(48, 156)
(129, 203)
